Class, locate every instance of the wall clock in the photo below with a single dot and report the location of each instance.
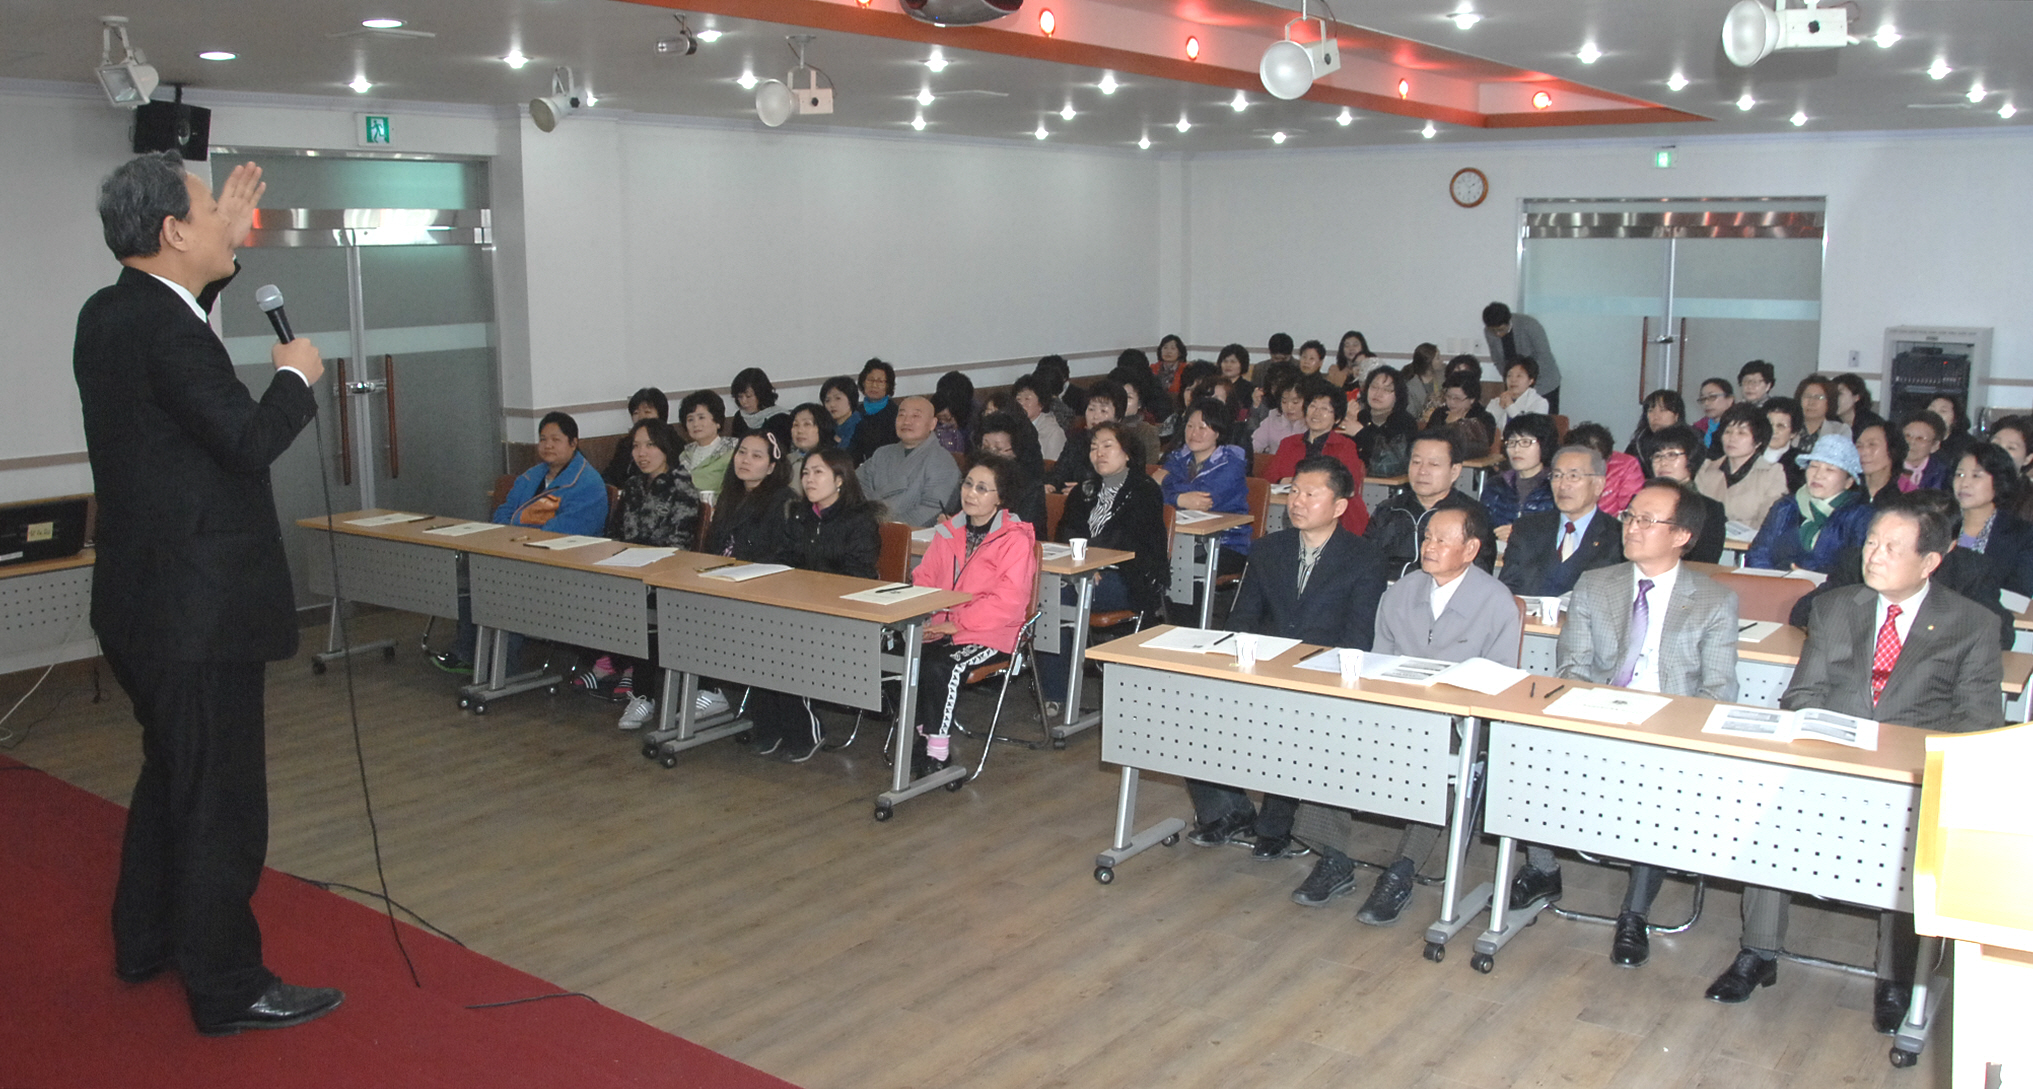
(1468, 187)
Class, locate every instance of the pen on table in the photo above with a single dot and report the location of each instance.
(1535, 689)
(1221, 640)
(714, 567)
(896, 588)
(1556, 692)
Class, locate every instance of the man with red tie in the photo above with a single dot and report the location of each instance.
(1897, 649)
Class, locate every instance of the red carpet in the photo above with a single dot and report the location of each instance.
(68, 1022)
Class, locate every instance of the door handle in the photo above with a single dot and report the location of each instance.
(394, 445)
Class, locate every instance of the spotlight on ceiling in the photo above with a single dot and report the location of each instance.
(684, 45)
(130, 79)
(959, 12)
(563, 101)
(776, 101)
(1751, 31)
(1289, 67)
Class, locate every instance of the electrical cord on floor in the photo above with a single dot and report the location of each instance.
(371, 894)
(9, 740)
(535, 998)
(353, 705)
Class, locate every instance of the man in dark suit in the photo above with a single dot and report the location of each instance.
(192, 594)
(1898, 649)
(1398, 523)
(1549, 549)
(1315, 582)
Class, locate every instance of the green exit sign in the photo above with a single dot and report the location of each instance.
(374, 130)
(1663, 158)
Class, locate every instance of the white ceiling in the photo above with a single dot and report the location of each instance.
(317, 46)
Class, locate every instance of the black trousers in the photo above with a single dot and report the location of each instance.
(197, 830)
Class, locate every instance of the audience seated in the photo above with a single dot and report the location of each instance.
(1717, 397)
(1381, 426)
(660, 508)
(875, 422)
(1816, 397)
(1549, 550)
(1881, 451)
(1622, 476)
(1313, 581)
(986, 551)
(1788, 432)
(705, 457)
(1421, 380)
(1957, 441)
(1755, 380)
(1853, 404)
(1828, 513)
(1029, 396)
(1663, 409)
(1651, 624)
(1171, 360)
(1325, 407)
(1745, 482)
(1286, 420)
(1142, 400)
(750, 516)
(1107, 399)
(1312, 359)
(1207, 474)
(1056, 391)
(1399, 522)
(1923, 467)
(756, 408)
(811, 430)
(1234, 364)
(2014, 435)
(1897, 649)
(1967, 572)
(1006, 436)
(915, 479)
(1676, 451)
(842, 397)
(954, 397)
(1986, 488)
(1526, 485)
(647, 403)
(1518, 397)
(1461, 408)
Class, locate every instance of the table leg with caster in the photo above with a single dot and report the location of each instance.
(1504, 924)
(1075, 721)
(1126, 844)
(1456, 909)
(902, 786)
(1930, 989)
(337, 650)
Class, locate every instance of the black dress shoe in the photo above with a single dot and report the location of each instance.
(1888, 1005)
(1632, 946)
(1745, 975)
(1533, 885)
(1269, 848)
(142, 974)
(280, 1006)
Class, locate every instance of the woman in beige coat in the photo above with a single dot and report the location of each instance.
(1746, 484)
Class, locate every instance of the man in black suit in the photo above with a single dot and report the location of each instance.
(192, 595)
(1901, 649)
(1398, 523)
(1549, 549)
(1312, 581)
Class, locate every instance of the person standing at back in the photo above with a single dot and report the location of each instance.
(192, 595)
(1520, 336)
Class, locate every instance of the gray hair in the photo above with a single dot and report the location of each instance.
(1596, 465)
(134, 199)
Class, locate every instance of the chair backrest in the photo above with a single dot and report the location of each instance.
(1560, 426)
(705, 525)
(1051, 464)
(1259, 464)
(499, 495)
(1520, 603)
(1055, 508)
(1154, 470)
(1761, 597)
(894, 564)
(1259, 504)
(613, 497)
(1171, 519)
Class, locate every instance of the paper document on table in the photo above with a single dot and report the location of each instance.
(1616, 705)
(1755, 631)
(2015, 603)
(1759, 722)
(1815, 577)
(1738, 531)
(386, 519)
(1209, 641)
(1402, 669)
(1480, 675)
(1052, 550)
(636, 557)
(1281, 489)
(1327, 661)
(742, 572)
(464, 529)
(891, 594)
(1761, 572)
(1806, 724)
(559, 544)
(924, 536)
(1188, 517)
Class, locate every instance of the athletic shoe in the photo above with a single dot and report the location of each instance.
(641, 709)
(1393, 891)
(586, 681)
(624, 685)
(1270, 848)
(452, 663)
(1234, 828)
(1331, 877)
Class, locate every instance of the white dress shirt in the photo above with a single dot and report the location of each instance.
(1444, 594)
(1564, 545)
(1646, 677)
(1908, 609)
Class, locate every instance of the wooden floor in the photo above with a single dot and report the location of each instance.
(754, 907)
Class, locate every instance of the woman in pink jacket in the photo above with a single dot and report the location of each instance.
(987, 551)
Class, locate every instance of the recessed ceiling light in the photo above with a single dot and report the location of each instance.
(1799, 118)
(1429, 131)
(1404, 88)
(1676, 82)
(589, 98)
(217, 55)
(925, 97)
(1465, 19)
(1192, 48)
(1144, 141)
(747, 81)
(1746, 102)
(1886, 36)
(1184, 125)
(1047, 22)
(918, 122)
(2007, 110)
(1588, 53)
(937, 61)
(1041, 133)
(1240, 102)
(1541, 100)
(515, 59)
(708, 35)
(360, 85)
(381, 24)
(1067, 113)
(1977, 92)
(1345, 117)
(1107, 84)
(1939, 69)
(1277, 137)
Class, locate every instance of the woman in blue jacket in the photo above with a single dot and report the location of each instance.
(1207, 474)
(1828, 514)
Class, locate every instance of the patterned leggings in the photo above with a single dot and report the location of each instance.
(942, 669)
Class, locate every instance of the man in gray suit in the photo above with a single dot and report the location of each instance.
(1520, 336)
(1896, 649)
(1655, 625)
(1449, 609)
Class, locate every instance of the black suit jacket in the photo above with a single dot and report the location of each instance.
(1137, 525)
(190, 557)
(1339, 607)
(1947, 676)
(1532, 565)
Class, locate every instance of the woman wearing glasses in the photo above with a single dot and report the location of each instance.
(1717, 397)
(1526, 486)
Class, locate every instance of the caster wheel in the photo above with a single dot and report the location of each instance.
(1902, 1058)
(479, 708)
(388, 654)
(670, 761)
(1483, 962)
(317, 668)
(1058, 742)
(1436, 952)
(744, 737)
(1171, 840)
(551, 691)
(954, 786)
(649, 752)
(465, 704)
(1104, 874)
(883, 813)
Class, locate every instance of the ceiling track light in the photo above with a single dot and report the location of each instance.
(918, 122)
(1144, 142)
(1278, 137)
(1068, 113)
(1465, 20)
(1184, 125)
(1239, 103)
(937, 61)
(959, 12)
(1977, 93)
(1431, 130)
(1041, 133)
(684, 45)
(564, 100)
(382, 24)
(1939, 69)
(2007, 111)
(1192, 47)
(1886, 37)
(777, 101)
(1289, 67)
(925, 96)
(360, 85)
(1751, 31)
(1799, 118)
(129, 79)
(1047, 22)
(1541, 100)
(1746, 102)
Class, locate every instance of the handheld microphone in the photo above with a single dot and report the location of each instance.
(269, 299)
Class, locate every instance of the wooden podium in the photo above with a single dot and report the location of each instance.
(1973, 884)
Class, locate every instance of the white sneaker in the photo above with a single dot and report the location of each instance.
(709, 703)
(641, 709)
(1052, 711)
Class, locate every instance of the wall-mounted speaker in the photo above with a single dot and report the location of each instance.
(173, 126)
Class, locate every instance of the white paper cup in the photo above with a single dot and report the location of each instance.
(1351, 667)
(1245, 651)
(1079, 546)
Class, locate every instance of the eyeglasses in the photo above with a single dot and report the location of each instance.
(1643, 521)
(1670, 455)
(977, 488)
(1519, 444)
(1708, 397)
(1564, 476)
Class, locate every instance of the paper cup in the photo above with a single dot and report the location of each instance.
(1245, 651)
(1351, 667)
(1079, 545)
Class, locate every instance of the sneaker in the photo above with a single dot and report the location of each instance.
(641, 709)
(709, 703)
(1271, 848)
(1532, 886)
(624, 685)
(763, 746)
(1392, 892)
(1234, 828)
(802, 750)
(452, 663)
(586, 681)
(1331, 877)
(1054, 710)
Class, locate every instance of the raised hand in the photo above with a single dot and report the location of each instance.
(239, 197)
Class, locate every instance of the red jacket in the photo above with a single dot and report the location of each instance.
(1621, 480)
(1002, 575)
(1342, 449)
